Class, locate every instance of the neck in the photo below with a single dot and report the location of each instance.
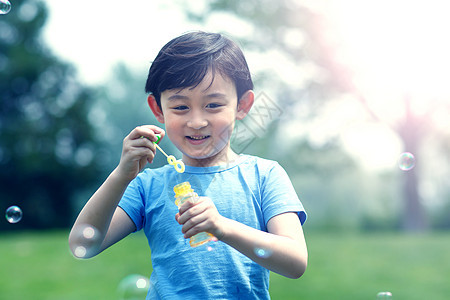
(221, 158)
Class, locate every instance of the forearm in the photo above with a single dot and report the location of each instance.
(100, 208)
(281, 254)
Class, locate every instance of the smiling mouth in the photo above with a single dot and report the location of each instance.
(197, 137)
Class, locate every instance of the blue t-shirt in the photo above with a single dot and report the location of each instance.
(251, 191)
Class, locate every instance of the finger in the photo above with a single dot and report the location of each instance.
(141, 146)
(193, 230)
(148, 131)
(191, 213)
(144, 142)
(142, 158)
(185, 207)
(155, 129)
(193, 226)
(191, 208)
(192, 222)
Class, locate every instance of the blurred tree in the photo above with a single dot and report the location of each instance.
(302, 36)
(47, 150)
(120, 106)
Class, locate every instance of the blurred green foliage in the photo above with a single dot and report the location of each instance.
(47, 148)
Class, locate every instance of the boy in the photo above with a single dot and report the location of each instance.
(199, 85)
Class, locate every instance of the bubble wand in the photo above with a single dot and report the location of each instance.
(176, 163)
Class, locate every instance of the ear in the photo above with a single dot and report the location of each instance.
(245, 104)
(155, 109)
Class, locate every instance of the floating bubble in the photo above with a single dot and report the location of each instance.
(5, 7)
(263, 253)
(13, 214)
(406, 161)
(384, 296)
(80, 251)
(133, 287)
(88, 238)
(89, 232)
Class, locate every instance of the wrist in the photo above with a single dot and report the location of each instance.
(117, 177)
(220, 231)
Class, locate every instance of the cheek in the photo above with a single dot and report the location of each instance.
(172, 127)
(225, 129)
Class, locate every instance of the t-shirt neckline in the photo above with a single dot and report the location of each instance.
(216, 169)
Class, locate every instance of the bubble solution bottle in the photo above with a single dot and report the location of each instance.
(183, 193)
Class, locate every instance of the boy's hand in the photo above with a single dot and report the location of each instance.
(138, 151)
(201, 216)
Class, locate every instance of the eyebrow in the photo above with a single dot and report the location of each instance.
(208, 96)
(216, 95)
(177, 97)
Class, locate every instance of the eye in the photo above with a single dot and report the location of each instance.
(213, 105)
(180, 107)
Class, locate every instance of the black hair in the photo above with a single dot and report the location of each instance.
(184, 61)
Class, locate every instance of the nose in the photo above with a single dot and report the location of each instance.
(197, 121)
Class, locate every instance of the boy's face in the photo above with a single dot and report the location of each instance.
(200, 120)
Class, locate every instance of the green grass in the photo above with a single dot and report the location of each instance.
(353, 266)
(40, 266)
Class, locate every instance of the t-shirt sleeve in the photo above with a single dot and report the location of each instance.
(132, 202)
(279, 196)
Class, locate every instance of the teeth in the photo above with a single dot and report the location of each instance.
(198, 137)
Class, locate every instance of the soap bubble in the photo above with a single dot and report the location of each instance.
(5, 7)
(80, 251)
(384, 295)
(89, 232)
(263, 253)
(406, 161)
(133, 287)
(88, 238)
(13, 214)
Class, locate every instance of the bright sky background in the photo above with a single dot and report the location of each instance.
(98, 34)
(106, 32)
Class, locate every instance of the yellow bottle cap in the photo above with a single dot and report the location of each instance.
(182, 189)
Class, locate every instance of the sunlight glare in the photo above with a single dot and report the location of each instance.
(393, 48)
(375, 146)
(396, 34)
